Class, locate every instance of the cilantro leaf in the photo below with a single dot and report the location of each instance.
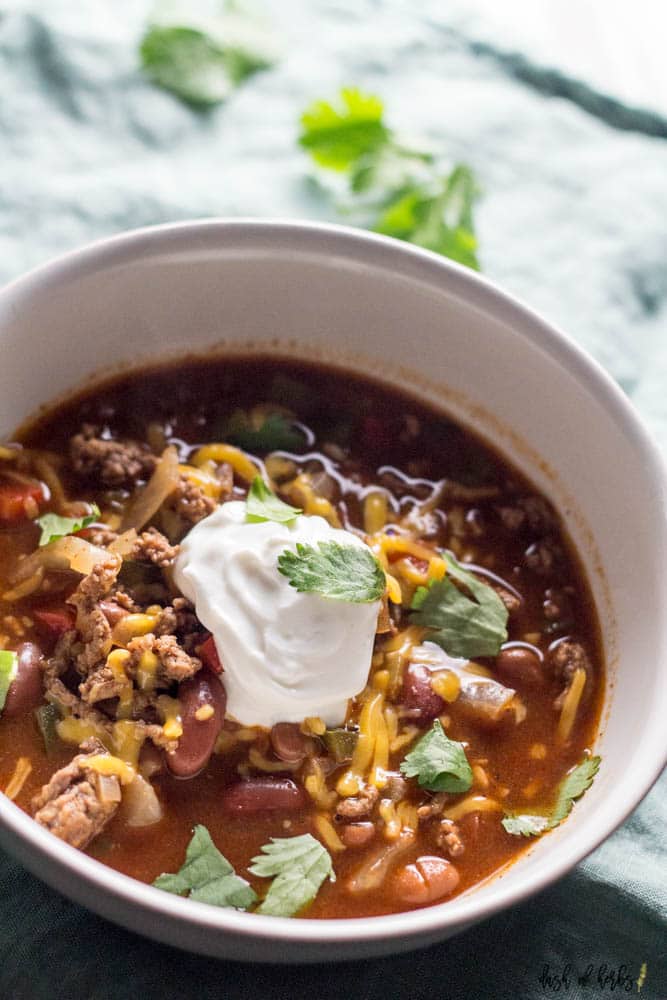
(340, 572)
(263, 505)
(438, 763)
(9, 664)
(207, 876)
(201, 63)
(571, 788)
(414, 200)
(525, 825)
(299, 866)
(464, 626)
(53, 526)
(437, 216)
(338, 136)
(275, 434)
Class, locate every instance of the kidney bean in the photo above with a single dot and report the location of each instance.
(25, 691)
(208, 654)
(520, 664)
(356, 834)
(113, 612)
(254, 795)
(196, 744)
(418, 694)
(56, 621)
(289, 743)
(428, 879)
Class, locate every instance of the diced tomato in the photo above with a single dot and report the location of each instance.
(57, 621)
(13, 498)
(208, 654)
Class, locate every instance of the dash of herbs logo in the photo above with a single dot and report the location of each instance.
(606, 978)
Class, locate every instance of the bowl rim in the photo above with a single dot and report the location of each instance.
(475, 291)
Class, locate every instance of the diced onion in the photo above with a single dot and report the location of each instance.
(123, 545)
(373, 872)
(472, 804)
(325, 828)
(19, 777)
(70, 552)
(483, 698)
(141, 806)
(162, 484)
(571, 704)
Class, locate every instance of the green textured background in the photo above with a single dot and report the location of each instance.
(573, 221)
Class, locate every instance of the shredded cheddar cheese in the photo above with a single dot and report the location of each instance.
(106, 764)
(241, 463)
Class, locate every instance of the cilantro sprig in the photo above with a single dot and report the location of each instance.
(263, 505)
(9, 664)
(438, 763)
(407, 195)
(463, 625)
(207, 876)
(573, 786)
(275, 433)
(298, 866)
(340, 572)
(203, 60)
(54, 526)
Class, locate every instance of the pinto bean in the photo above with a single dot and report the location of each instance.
(520, 664)
(289, 743)
(356, 834)
(25, 691)
(195, 746)
(418, 695)
(428, 879)
(254, 795)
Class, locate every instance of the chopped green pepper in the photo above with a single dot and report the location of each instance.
(341, 742)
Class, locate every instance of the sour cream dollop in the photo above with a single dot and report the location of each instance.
(286, 655)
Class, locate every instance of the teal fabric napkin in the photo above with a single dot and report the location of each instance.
(572, 220)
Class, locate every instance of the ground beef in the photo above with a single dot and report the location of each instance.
(178, 618)
(190, 502)
(448, 837)
(152, 546)
(90, 645)
(77, 802)
(95, 637)
(100, 535)
(434, 806)
(568, 656)
(396, 787)
(127, 603)
(97, 584)
(558, 609)
(544, 557)
(100, 685)
(174, 663)
(384, 622)
(58, 693)
(565, 658)
(111, 463)
(532, 514)
(357, 806)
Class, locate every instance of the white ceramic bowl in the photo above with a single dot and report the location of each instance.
(414, 319)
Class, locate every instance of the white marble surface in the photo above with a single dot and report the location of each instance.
(574, 209)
